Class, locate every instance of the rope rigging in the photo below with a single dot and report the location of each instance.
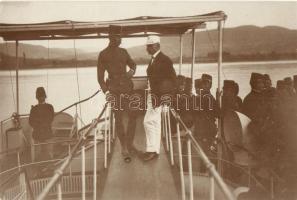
(77, 80)
(48, 60)
(11, 81)
(213, 46)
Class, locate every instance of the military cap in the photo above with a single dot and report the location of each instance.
(255, 77)
(266, 77)
(206, 77)
(295, 79)
(40, 92)
(288, 81)
(228, 84)
(115, 30)
(198, 83)
(188, 82)
(280, 84)
(181, 78)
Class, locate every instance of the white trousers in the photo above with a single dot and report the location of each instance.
(152, 126)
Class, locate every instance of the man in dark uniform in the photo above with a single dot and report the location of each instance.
(253, 103)
(262, 124)
(188, 86)
(181, 84)
(40, 119)
(159, 72)
(198, 85)
(230, 100)
(114, 60)
(205, 127)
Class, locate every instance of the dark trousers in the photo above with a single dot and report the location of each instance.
(125, 122)
(125, 135)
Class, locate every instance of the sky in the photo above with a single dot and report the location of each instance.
(258, 13)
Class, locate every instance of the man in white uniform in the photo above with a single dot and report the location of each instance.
(160, 73)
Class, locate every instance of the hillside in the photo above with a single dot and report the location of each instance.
(244, 40)
(39, 51)
(244, 43)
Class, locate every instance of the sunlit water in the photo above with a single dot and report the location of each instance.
(62, 87)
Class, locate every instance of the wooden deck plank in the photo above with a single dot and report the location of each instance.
(139, 180)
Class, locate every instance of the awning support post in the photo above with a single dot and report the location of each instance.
(220, 51)
(17, 75)
(181, 53)
(193, 57)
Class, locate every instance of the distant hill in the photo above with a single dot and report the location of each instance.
(39, 51)
(243, 40)
(241, 43)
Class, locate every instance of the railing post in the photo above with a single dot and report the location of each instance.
(83, 175)
(109, 131)
(17, 76)
(190, 169)
(19, 161)
(180, 53)
(166, 128)
(95, 166)
(105, 142)
(170, 137)
(212, 188)
(113, 126)
(181, 170)
(59, 190)
(249, 171)
(69, 152)
(219, 99)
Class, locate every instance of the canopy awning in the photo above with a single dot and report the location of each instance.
(135, 27)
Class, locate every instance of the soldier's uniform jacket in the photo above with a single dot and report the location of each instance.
(40, 119)
(114, 60)
(254, 106)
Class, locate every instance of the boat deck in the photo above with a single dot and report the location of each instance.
(152, 180)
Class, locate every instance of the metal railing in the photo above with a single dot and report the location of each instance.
(180, 154)
(55, 180)
(191, 142)
(59, 183)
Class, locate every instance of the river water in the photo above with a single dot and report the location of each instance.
(62, 88)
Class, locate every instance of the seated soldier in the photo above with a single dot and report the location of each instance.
(289, 86)
(40, 119)
(230, 100)
(205, 127)
(198, 85)
(181, 84)
(188, 86)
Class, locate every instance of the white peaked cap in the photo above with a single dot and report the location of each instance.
(153, 39)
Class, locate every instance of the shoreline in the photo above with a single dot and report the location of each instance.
(242, 62)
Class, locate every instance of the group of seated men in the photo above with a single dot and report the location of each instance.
(273, 114)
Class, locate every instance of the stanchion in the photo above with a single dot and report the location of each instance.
(109, 133)
(181, 170)
(105, 142)
(166, 128)
(83, 170)
(95, 166)
(59, 191)
(190, 169)
(212, 188)
(170, 138)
